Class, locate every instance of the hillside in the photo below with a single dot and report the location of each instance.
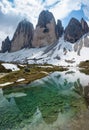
(61, 53)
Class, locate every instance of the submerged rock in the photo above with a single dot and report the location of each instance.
(86, 95)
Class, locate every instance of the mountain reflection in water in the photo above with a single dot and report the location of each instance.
(50, 103)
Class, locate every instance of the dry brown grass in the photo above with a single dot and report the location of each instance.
(84, 67)
(35, 72)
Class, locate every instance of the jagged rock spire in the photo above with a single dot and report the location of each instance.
(6, 45)
(45, 33)
(75, 30)
(23, 36)
(84, 26)
(59, 29)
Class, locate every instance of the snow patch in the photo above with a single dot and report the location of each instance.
(5, 84)
(57, 54)
(46, 66)
(19, 80)
(10, 66)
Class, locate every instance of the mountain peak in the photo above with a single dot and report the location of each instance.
(6, 45)
(23, 36)
(24, 21)
(45, 32)
(84, 26)
(44, 18)
(75, 30)
(73, 21)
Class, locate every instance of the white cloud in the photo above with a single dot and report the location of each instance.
(50, 2)
(65, 7)
(25, 8)
(86, 11)
(31, 9)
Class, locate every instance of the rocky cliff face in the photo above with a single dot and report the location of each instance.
(83, 42)
(23, 36)
(75, 30)
(59, 29)
(85, 27)
(45, 33)
(6, 45)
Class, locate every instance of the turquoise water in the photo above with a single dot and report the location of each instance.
(48, 104)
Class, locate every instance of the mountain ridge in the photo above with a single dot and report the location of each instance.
(46, 32)
(63, 53)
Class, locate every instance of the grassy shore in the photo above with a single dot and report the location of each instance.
(29, 73)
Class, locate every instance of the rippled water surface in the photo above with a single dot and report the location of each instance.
(56, 102)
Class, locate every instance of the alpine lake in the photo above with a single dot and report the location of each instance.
(58, 101)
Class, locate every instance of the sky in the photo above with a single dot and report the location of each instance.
(13, 11)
